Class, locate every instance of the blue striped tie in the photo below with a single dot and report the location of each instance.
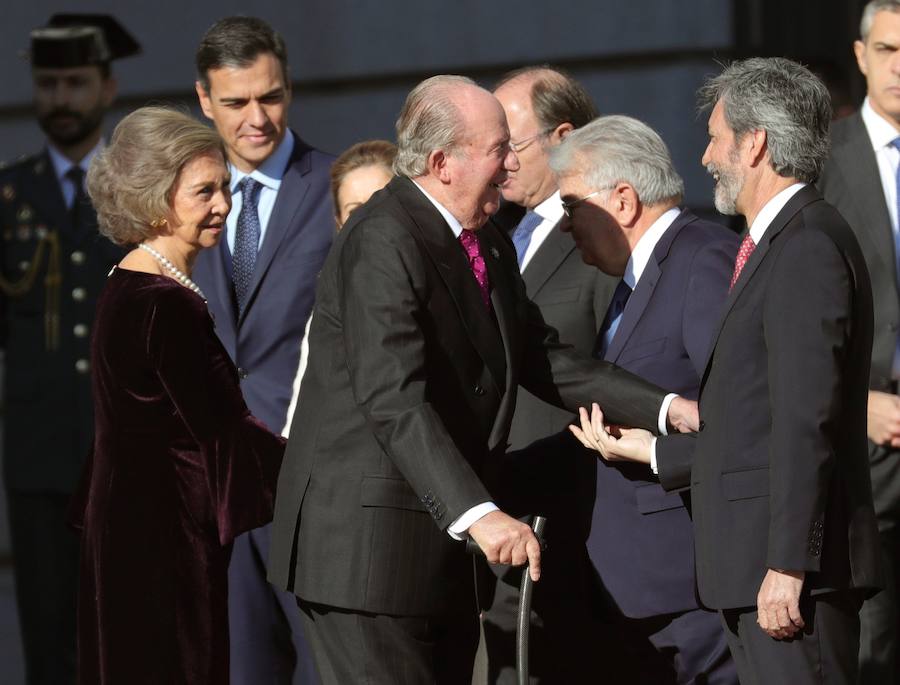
(246, 240)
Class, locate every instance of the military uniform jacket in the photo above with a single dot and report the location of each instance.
(46, 327)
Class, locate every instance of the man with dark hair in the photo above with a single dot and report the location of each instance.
(261, 284)
(53, 266)
(860, 178)
(784, 528)
(421, 335)
(543, 105)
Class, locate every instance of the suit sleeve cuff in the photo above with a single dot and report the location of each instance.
(458, 530)
(653, 466)
(664, 413)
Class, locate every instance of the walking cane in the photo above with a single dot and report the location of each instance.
(523, 621)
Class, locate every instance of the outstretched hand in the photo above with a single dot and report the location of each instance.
(612, 442)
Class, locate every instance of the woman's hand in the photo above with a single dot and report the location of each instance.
(612, 442)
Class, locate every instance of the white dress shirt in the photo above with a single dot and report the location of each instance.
(269, 174)
(550, 211)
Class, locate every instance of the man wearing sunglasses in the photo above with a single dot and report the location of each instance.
(621, 197)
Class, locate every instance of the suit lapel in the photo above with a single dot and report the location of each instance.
(445, 251)
(220, 265)
(288, 204)
(802, 198)
(548, 258)
(864, 185)
(643, 292)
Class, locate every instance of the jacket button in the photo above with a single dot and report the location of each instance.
(78, 294)
(77, 257)
(479, 390)
(80, 330)
(82, 366)
(702, 425)
(892, 326)
(241, 373)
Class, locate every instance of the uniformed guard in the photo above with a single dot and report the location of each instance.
(53, 265)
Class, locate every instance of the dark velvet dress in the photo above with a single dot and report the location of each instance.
(179, 468)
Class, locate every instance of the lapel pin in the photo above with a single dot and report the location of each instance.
(495, 253)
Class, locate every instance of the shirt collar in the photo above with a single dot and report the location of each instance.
(62, 164)
(641, 253)
(770, 211)
(550, 209)
(271, 171)
(451, 220)
(880, 131)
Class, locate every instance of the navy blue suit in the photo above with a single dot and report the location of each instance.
(641, 541)
(264, 344)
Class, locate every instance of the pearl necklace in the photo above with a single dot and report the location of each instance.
(179, 275)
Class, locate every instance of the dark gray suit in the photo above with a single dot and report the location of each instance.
(851, 182)
(573, 298)
(778, 472)
(405, 409)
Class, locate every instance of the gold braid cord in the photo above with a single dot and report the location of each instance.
(52, 283)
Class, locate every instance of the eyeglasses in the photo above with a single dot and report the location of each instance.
(569, 206)
(520, 145)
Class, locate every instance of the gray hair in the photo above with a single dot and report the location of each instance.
(782, 98)
(429, 120)
(616, 149)
(869, 12)
(131, 180)
(556, 97)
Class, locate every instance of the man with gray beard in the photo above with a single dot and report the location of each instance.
(785, 538)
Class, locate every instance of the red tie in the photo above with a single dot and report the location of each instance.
(746, 249)
(473, 250)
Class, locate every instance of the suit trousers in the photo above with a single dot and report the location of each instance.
(45, 562)
(378, 649)
(267, 641)
(824, 652)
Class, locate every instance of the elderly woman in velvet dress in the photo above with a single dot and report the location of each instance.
(179, 465)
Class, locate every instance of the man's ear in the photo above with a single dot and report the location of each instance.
(558, 134)
(438, 167)
(625, 204)
(859, 49)
(205, 101)
(758, 145)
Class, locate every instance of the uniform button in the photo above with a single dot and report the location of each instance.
(78, 294)
(24, 264)
(77, 257)
(479, 390)
(82, 366)
(80, 330)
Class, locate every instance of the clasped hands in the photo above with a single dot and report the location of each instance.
(778, 600)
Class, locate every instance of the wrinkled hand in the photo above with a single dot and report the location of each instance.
(883, 425)
(613, 444)
(684, 415)
(778, 603)
(505, 540)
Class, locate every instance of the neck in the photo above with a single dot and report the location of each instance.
(182, 256)
(646, 217)
(78, 151)
(759, 193)
(884, 115)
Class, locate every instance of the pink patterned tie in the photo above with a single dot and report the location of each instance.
(473, 251)
(746, 249)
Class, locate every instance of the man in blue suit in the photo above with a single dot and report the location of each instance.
(261, 287)
(621, 194)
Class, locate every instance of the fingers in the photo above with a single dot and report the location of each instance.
(533, 549)
(795, 617)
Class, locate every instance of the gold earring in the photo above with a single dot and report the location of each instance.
(158, 223)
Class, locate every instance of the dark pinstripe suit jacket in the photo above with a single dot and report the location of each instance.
(406, 405)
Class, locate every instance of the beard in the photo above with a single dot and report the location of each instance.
(729, 183)
(66, 127)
